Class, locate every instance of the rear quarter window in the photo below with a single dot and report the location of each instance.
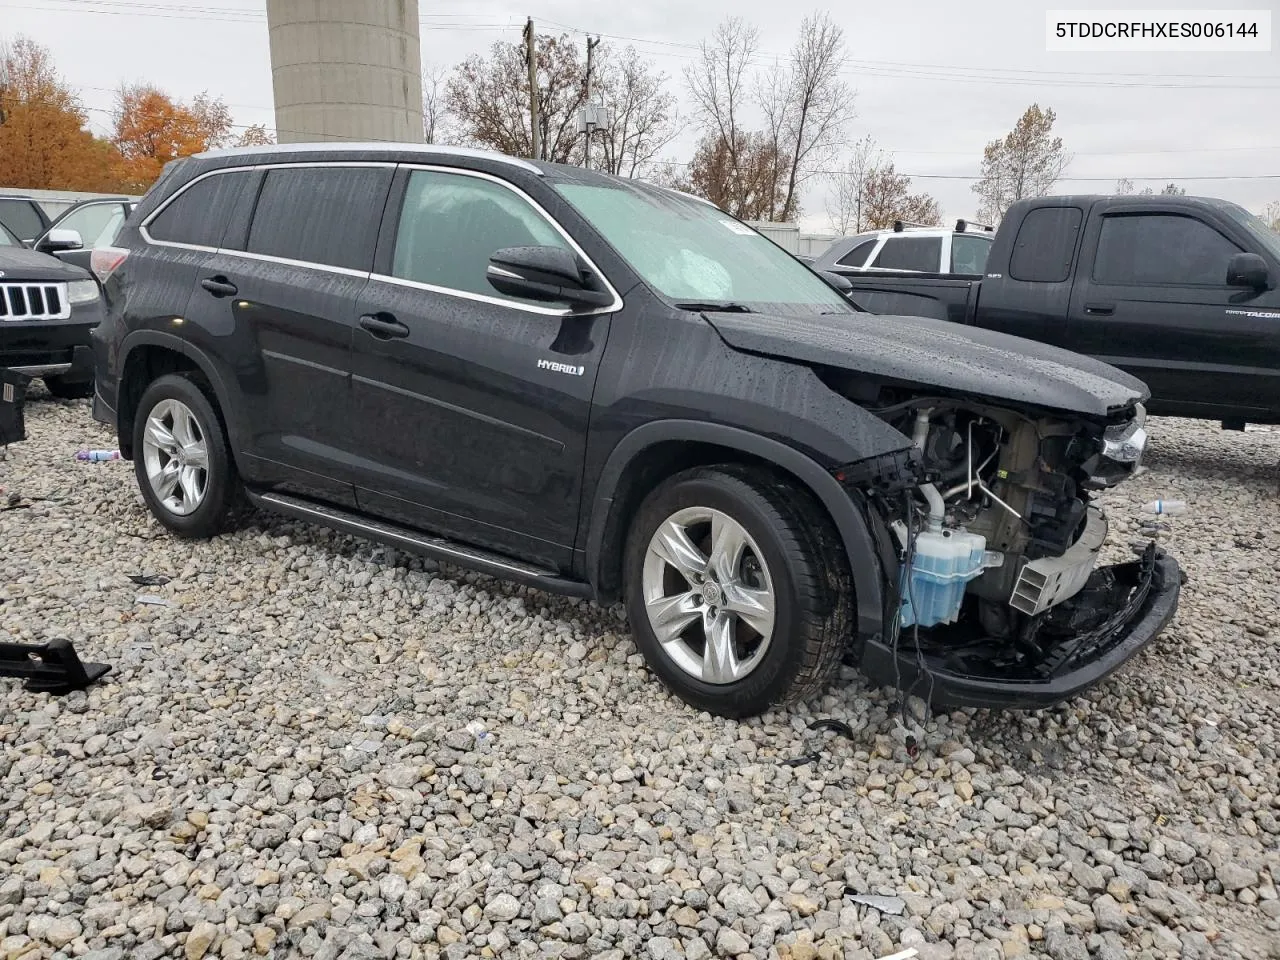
(198, 215)
(921, 254)
(1045, 244)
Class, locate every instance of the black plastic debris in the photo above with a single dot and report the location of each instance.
(837, 726)
(52, 667)
(149, 579)
(13, 395)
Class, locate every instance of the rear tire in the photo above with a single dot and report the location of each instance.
(65, 389)
(181, 458)
(759, 621)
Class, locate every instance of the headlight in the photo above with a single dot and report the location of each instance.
(82, 291)
(1125, 444)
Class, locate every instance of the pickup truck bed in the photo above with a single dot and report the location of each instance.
(1181, 292)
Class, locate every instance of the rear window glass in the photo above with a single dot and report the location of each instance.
(857, 257)
(323, 215)
(198, 215)
(1045, 244)
(22, 218)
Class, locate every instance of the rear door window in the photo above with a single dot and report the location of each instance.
(90, 221)
(321, 215)
(922, 254)
(197, 216)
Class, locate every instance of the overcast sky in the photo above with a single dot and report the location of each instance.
(935, 79)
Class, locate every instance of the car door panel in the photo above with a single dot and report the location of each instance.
(474, 423)
(1155, 302)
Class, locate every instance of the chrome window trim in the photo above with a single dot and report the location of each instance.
(613, 307)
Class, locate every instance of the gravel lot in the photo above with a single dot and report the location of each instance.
(323, 748)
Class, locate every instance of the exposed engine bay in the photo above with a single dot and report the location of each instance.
(998, 536)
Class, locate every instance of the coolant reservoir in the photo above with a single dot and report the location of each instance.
(944, 563)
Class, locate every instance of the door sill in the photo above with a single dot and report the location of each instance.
(437, 548)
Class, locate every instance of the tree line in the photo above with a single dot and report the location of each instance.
(45, 143)
(767, 132)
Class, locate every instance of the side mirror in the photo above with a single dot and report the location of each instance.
(1247, 270)
(58, 240)
(543, 273)
(839, 282)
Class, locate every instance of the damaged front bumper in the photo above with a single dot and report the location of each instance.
(988, 673)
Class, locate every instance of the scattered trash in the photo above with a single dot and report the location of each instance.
(149, 579)
(838, 726)
(1170, 508)
(97, 456)
(154, 601)
(375, 720)
(906, 954)
(477, 730)
(894, 906)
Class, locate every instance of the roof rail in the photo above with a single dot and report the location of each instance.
(961, 225)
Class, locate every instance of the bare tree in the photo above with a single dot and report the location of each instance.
(747, 191)
(1025, 163)
(490, 98)
(819, 105)
(643, 113)
(435, 110)
(1271, 215)
(719, 85)
(845, 205)
(1173, 190)
(1124, 187)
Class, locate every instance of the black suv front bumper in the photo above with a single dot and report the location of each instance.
(40, 348)
(1072, 667)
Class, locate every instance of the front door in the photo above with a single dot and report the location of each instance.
(472, 407)
(1155, 303)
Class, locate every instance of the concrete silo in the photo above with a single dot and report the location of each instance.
(346, 69)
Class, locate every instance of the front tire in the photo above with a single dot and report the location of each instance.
(737, 590)
(181, 458)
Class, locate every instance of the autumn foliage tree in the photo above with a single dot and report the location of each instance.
(43, 141)
(742, 177)
(1027, 162)
(152, 129)
(869, 194)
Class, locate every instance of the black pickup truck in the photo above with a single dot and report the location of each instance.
(1181, 292)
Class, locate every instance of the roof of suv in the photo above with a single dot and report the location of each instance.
(379, 147)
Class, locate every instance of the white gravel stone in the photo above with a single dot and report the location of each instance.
(221, 788)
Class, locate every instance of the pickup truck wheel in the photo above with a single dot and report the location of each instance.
(181, 459)
(737, 590)
(65, 389)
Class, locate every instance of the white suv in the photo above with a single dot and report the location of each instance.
(911, 249)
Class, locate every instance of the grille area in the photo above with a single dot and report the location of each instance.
(34, 301)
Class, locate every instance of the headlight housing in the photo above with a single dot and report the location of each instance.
(1123, 445)
(82, 291)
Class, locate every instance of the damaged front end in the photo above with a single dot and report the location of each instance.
(990, 539)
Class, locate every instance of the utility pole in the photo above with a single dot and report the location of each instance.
(530, 57)
(586, 151)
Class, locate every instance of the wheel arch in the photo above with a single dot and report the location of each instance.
(149, 354)
(656, 450)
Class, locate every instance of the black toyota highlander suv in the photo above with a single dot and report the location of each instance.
(47, 309)
(611, 390)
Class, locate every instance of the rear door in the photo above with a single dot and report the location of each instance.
(97, 223)
(279, 301)
(472, 406)
(1153, 300)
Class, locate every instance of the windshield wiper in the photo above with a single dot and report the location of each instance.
(714, 306)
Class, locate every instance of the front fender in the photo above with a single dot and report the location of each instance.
(846, 512)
